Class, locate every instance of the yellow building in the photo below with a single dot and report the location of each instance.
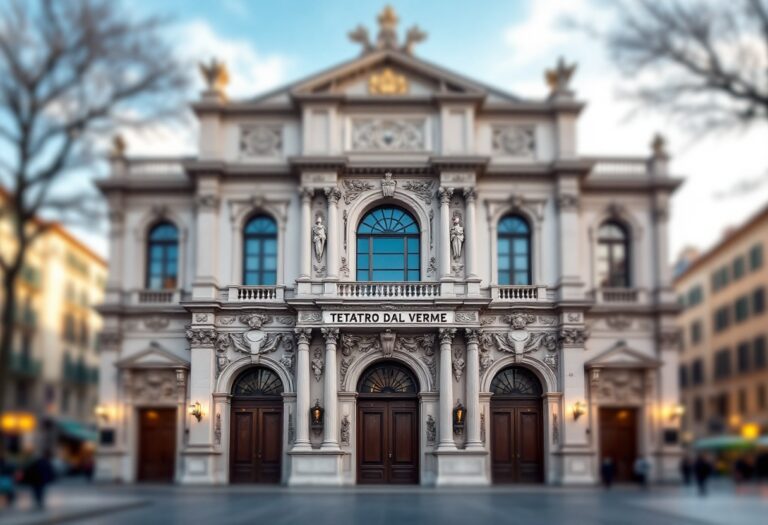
(723, 366)
(54, 365)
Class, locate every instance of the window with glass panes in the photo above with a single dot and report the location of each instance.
(260, 251)
(162, 257)
(388, 246)
(514, 250)
(613, 256)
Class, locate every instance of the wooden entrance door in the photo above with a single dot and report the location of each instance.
(157, 444)
(256, 448)
(516, 441)
(388, 441)
(618, 440)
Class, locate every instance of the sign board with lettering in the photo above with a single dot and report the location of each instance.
(428, 318)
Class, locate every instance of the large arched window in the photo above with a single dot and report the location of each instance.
(162, 257)
(613, 255)
(388, 246)
(514, 250)
(260, 251)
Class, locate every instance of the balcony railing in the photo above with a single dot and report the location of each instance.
(255, 294)
(25, 365)
(619, 296)
(399, 290)
(519, 293)
(621, 166)
(154, 297)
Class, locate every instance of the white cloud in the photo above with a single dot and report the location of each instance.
(711, 165)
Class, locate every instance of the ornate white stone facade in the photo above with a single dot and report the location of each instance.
(458, 153)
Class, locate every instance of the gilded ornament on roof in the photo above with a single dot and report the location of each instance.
(387, 82)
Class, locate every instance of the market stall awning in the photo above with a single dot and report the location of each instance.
(726, 442)
(76, 430)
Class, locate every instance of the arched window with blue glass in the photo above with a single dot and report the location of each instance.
(162, 256)
(388, 246)
(260, 251)
(514, 250)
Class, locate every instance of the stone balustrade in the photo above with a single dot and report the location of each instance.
(394, 290)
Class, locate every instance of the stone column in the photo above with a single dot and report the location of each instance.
(569, 282)
(470, 231)
(330, 440)
(474, 442)
(303, 337)
(333, 195)
(445, 195)
(446, 390)
(306, 234)
(204, 285)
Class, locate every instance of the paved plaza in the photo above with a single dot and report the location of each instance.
(169, 505)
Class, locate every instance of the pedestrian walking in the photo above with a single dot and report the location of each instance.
(686, 469)
(702, 470)
(607, 472)
(641, 469)
(38, 475)
(7, 480)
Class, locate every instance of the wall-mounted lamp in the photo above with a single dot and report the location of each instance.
(196, 410)
(676, 412)
(579, 409)
(101, 412)
(750, 431)
(316, 414)
(459, 416)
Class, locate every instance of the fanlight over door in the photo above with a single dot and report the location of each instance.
(258, 382)
(516, 382)
(387, 378)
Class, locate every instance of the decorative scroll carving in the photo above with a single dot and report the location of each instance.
(413, 344)
(515, 141)
(555, 429)
(217, 429)
(573, 336)
(351, 343)
(482, 426)
(311, 317)
(466, 317)
(344, 268)
(519, 320)
(619, 386)
(303, 335)
(431, 430)
(261, 140)
(152, 386)
(353, 189)
(432, 268)
(388, 338)
(374, 134)
(568, 202)
(286, 320)
(156, 322)
(257, 342)
(458, 364)
(423, 189)
(446, 335)
(344, 431)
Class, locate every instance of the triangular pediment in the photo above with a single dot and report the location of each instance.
(382, 74)
(155, 356)
(621, 355)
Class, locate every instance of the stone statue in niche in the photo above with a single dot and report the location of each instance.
(318, 237)
(317, 364)
(388, 185)
(457, 237)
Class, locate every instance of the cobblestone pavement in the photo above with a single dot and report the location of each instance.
(169, 505)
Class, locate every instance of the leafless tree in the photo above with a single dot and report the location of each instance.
(70, 72)
(703, 62)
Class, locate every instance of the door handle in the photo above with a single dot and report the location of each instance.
(390, 455)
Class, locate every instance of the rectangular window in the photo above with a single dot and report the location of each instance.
(683, 376)
(742, 401)
(742, 308)
(720, 278)
(738, 268)
(697, 372)
(696, 332)
(698, 410)
(721, 404)
(695, 296)
(756, 257)
(758, 301)
(743, 351)
(761, 397)
(722, 318)
(758, 353)
(722, 364)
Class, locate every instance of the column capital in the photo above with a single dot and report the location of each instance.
(331, 335)
(446, 335)
(306, 194)
(472, 336)
(445, 194)
(470, 195)
(333, 194)
(303, 335)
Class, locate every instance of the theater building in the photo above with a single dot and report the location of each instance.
(387, 273)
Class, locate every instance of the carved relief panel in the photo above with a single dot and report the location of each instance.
(388, 134)
(262, 140)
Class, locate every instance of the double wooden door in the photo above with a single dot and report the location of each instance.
(516, 441)
(388, 441)
(618, 440)
(157, 444)
(256, 448)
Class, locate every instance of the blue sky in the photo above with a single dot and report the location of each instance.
(504, 43)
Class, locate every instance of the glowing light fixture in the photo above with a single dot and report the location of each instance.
(579, 409)
(196, 410)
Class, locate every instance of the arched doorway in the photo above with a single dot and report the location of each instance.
(387, 425)
(256, 428)
(516, 427)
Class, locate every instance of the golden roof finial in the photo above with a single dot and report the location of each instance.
(559, 78)
(659, 145)
(215, 75)
(118, 145)
(387, 36)
(388, 18)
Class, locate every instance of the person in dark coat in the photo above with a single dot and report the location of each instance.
(607, 472)
(7, 481)
(39, 474)
(702, 470)
(686, 469)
